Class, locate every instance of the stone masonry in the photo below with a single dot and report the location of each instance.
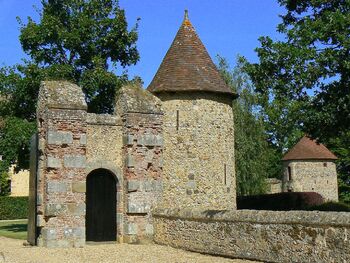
(171, 145)
(198, 135)
(267, 236)
(73, 143)
(310, 167)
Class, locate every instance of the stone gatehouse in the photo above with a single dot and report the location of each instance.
(97, 177)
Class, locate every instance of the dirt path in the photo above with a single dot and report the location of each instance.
(12, 251)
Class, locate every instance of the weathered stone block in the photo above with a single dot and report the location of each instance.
(133, 185)
(129, 161)
(128, 139)
(161, 162)
(149, 139)
(48, 234)
(39, 199)
(74, 232)
(57, 187)
(159, 140)
(40, 222)
(53, 162)
(148, 186)
(120, 218)
(130, 229)
(149, 156)
(79, 232)
(149, 229)
(76, 209)
(79, 187)
(74, 161)
(41, 144)
(59, 137)
(137, 207)
(54, 209)
(158, 186)
(82, 139)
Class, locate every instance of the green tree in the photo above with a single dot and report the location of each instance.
(255, 159)
(15, 136)
(306, 76)
(83, 41)
(313, 58)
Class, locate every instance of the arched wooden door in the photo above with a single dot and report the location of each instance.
(101, 206)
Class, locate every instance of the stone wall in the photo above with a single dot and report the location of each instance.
(294, 236)
(199, 168)
(312, 176)
(104, 149)
(142, 119)
(60, 204)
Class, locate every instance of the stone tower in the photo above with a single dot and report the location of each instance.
(310, 167)
(199, 168)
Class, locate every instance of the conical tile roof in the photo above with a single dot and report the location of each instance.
(187, 66)
(308, 149)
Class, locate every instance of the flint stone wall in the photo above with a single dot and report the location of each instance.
(199, 168)
(294, 236)
(312, 176)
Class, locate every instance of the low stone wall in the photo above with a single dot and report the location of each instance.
(294, 236)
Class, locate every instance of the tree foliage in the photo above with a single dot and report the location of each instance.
(305, 78)
(313, 58)
(15, 136)
(82, 39)
(255, 159)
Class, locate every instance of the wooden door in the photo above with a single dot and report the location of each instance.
(101, 206)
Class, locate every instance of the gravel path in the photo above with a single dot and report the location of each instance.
(12, 251)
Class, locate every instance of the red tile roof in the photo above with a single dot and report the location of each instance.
(187, 66)
(308, 149)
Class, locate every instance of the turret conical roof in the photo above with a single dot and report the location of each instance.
(187, 66)
(308, 149)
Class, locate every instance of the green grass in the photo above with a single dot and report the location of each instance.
(14, 228)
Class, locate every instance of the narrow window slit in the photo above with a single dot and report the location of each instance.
(225, 174)
(177, 120)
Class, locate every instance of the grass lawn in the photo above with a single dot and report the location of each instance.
(14, 228)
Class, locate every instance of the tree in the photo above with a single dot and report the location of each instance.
(14, 146)
(82, 41)
(255, 159)
(81, 38)
(306, 76)
(313, 58)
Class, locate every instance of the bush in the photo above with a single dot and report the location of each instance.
(331, 206)
(13, 207)
(280, 201)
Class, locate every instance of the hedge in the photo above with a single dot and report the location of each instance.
(280, 201)
(13, 207)
(331, 206)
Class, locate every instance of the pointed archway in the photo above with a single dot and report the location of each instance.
(101, 224)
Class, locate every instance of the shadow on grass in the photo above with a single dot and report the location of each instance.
(15, 228)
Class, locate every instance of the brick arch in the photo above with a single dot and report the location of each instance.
(108, 165)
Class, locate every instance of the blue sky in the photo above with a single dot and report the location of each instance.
(226, 27)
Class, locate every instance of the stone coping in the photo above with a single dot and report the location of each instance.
(103, 119)
(309, 218)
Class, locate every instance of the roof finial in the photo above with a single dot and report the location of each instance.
(186, 15)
